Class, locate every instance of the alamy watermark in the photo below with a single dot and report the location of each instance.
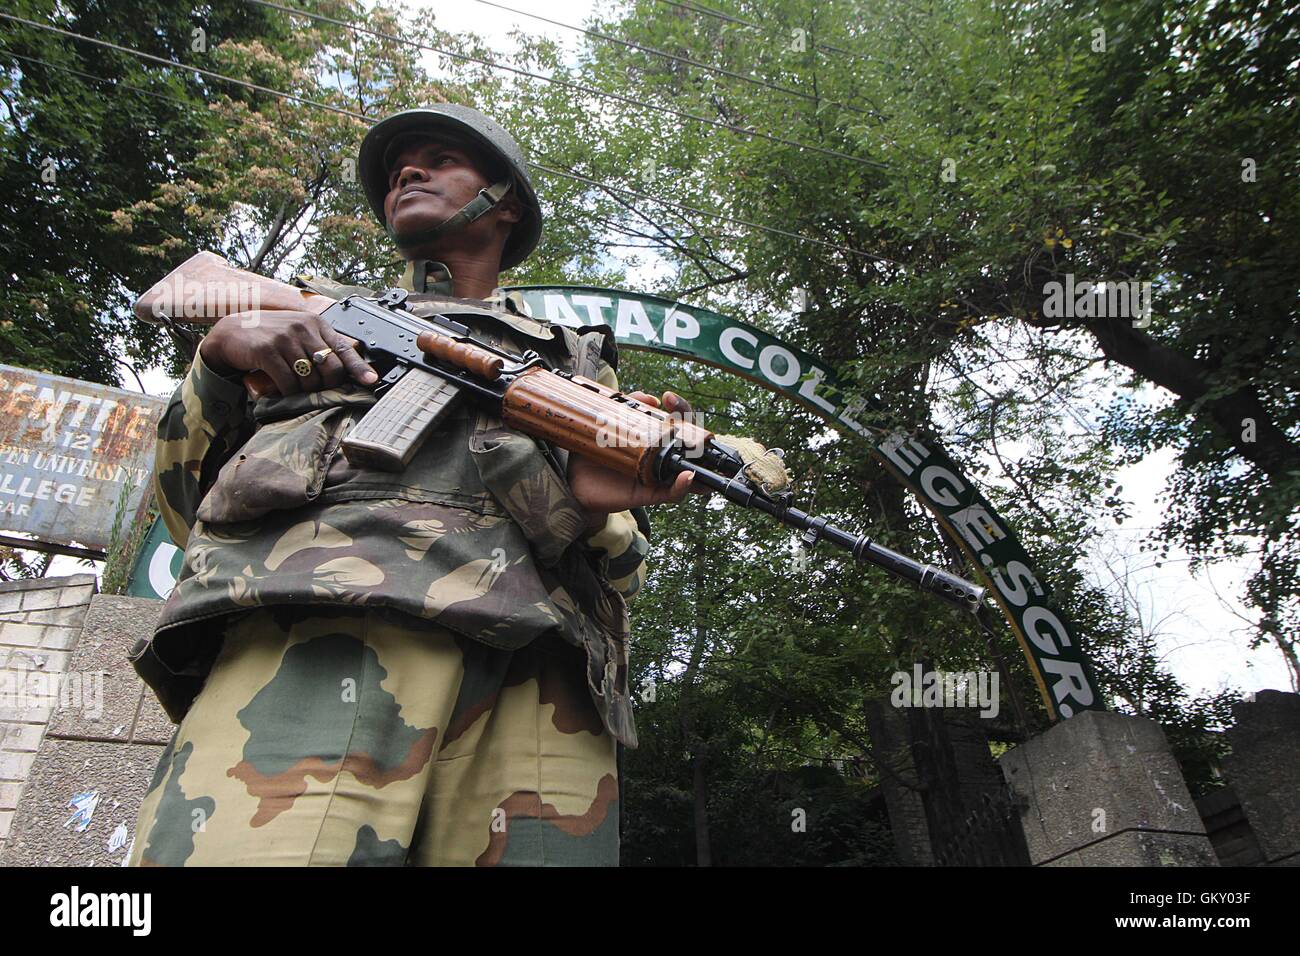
(1086, 299)
(922, 688)
(76, 690)
(130, 910)
(179, 298)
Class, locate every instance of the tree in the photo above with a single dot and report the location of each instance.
(88, 130)
(959, 156)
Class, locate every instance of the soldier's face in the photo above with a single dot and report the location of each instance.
(429, 180)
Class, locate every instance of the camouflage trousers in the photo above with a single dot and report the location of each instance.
(331, 737)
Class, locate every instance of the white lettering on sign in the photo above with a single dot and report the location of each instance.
(977, 526)
(848, 416)
(72, 452)
(105, 408)
(1022, 580)
(679, 326)
(632, 319)
(766, 365)
(1066, 680)
(946, 496)
(556, 309)
(18, 395)
(1073, 684)
(45, 405)
(905, 453)
(80, 496)
(727, 345)
(594, 304)
(1045, 637)
(71, 466)
(54, 405)
(84, 404)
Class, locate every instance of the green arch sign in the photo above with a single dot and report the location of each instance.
(1065, 677)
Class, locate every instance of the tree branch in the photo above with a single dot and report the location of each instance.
(1272, 451)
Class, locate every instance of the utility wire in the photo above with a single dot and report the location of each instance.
(538, 166)
(729, 18)
(99, 79)
(579, 87)
(839, 51)
(711, 215)
(180, 66)
(720, 71)
(119, 85)
(62, 345)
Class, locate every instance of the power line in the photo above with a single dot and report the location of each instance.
(580, 87)
(788, 91)
(839, 51)
(181, 66)
(351, 113)
(730, 18)
(711, 215)
(60, 346)
(119, 85)
(92, 76)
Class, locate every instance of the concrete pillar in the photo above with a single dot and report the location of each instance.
(1103, 789)
(1264, 770)
(1230, 834)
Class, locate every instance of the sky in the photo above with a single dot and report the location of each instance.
(1204, 639)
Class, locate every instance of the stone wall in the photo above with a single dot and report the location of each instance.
(40, 622)
(76, 800)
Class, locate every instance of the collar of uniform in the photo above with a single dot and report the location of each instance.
(425, 275)
(433, 279)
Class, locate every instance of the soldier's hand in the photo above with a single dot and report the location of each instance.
(273, 341)
(602, 491)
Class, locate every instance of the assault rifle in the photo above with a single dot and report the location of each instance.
(426, 363)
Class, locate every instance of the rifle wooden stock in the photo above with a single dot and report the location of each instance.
(584, 417)
(574, 413)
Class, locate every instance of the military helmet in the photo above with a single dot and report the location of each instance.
(466, 124)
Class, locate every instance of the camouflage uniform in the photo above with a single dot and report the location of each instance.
(373, 668)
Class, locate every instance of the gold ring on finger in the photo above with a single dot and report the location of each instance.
(320, 355)
(302, 367)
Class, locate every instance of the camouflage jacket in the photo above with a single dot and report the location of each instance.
(487, 542)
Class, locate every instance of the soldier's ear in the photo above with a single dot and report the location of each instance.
(510, 209)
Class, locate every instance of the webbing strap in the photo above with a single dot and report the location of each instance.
(484, 202)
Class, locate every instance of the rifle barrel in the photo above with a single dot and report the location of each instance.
(953, 589)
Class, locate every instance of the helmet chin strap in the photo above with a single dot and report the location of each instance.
(480, 205)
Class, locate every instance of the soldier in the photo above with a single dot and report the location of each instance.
(368, 668)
